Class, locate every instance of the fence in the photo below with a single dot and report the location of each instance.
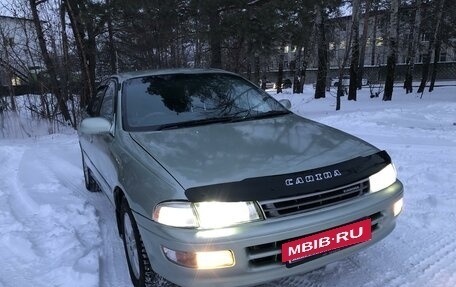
(446, 72)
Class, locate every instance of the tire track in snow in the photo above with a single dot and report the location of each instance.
(310, 279)
(437, 263)
(113, 266)
(422, 261)
(60, 226)
(444, 271)
(44, 230)
(14, 243)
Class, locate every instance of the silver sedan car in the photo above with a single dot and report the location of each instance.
(215, 183)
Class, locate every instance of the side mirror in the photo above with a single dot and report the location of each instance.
(285, 103)
(95, 126)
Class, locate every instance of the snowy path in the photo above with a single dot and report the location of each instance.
(52, 230)
(55, 233)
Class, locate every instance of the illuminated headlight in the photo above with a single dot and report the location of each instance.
(205, 215)
(178, 214)
(222, 214)
(383, 179)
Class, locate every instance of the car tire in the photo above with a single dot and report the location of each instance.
(141, 272)
(90, 182)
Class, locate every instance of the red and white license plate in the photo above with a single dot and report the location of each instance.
(332, 239)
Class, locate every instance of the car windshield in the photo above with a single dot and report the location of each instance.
(159, 102)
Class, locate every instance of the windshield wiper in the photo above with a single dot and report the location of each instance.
(226, 119)
(195, 123)
(269, 114)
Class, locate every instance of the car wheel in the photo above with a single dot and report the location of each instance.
(90, 183)
(141, 272)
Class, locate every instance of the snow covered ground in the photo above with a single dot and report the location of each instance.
(54, 233)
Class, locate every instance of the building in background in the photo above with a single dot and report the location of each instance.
(19, 55)
(375, 52)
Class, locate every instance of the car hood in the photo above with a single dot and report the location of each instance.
(230, 152)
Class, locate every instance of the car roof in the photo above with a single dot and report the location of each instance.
(137, 74)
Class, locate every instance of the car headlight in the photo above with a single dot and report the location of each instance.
(205, 215)
(383, 178)
(179, 214)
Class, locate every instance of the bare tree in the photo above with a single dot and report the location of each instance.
(50, 64)
(432, 46)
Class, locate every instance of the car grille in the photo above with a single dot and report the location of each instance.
(270, 254)
(311, 201)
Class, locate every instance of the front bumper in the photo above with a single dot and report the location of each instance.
(257, 245)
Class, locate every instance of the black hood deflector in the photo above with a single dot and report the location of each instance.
(292, 184)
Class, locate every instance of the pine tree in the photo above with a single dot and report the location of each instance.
(353, 86)
(392, 51)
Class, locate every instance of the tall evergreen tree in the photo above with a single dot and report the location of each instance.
(353, 86)
(413, 44)
(363, 42)
(322, 52)
(392, 51)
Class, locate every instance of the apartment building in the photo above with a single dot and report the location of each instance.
(19, 53)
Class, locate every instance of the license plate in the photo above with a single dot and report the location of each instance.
(332, 239)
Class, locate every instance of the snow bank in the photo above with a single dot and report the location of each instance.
(48, 236)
